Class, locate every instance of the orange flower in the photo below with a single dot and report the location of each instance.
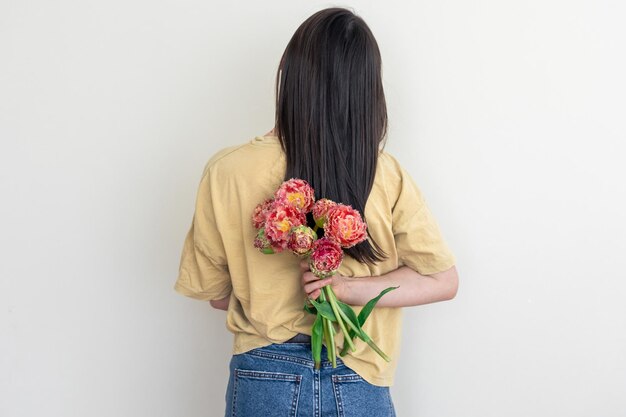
(345, 226)
(279, 222)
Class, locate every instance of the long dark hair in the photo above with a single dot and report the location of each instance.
(331, 115)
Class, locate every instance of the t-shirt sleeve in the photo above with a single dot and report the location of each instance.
(419, 242)
(203, 270)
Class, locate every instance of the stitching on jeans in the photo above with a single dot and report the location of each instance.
(338, 399)
(286, 358)
(235, 393)
(301, 361)
(296, 396)
(348, 378)
(317, 396)
(275, 376)
(338, 380)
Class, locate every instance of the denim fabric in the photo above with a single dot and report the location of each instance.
(280, 380)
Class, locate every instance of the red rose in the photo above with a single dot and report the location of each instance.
(325, 258)
(297, 193)
(345, 226)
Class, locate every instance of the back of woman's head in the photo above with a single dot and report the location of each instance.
(331, 116)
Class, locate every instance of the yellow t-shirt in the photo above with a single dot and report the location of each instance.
(266, 295)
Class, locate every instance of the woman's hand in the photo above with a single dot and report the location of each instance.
(312, 285)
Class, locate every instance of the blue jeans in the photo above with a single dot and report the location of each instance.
(281, 380)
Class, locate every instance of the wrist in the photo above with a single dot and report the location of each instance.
(352, 290)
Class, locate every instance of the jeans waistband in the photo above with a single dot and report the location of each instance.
(299, 338)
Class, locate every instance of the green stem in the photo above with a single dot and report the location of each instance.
(329, 336)
(316, 341)
(360, 332)
(325, 331)
(344, 350)
(337, 311)
(333, 300)
(370, 342)
(333, 348)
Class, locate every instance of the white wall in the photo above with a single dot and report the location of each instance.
(510, 116)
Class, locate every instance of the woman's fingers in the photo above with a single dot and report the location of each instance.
(313, 288)
(307, 277)
(312, 285)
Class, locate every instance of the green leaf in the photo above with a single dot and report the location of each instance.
(367, 309)
(309, 309)
(316, 341)
(324, 309)
(350, 314)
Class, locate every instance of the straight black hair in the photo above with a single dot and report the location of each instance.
(331, 115)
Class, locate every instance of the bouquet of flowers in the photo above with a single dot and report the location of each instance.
(282, 225)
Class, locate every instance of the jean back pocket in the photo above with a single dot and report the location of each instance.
(356, 397)
(261, 393)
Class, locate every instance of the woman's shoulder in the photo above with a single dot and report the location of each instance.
(220, 154)
(391, 168)
(394, 177)
(238, 157)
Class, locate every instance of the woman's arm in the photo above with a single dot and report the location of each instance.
(415, 289)
(221, 304)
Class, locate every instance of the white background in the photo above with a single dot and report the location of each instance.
(508, 114)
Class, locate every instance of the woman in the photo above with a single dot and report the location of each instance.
(330, 123)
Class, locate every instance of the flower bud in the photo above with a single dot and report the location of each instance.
(301, 240)
(320, 210)
(262, 243)
(325, 258)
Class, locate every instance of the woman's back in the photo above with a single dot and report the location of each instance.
(266, 296)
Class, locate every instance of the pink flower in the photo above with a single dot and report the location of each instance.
(297, 193)
(345, 226)
(301, 240)
(325, 258)
(320, 210)
(260, 213)
(279, 222)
